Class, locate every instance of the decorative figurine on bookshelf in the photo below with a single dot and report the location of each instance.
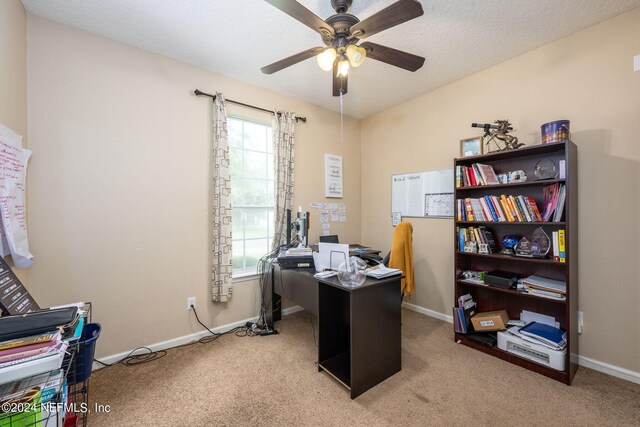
(538, 247)
(483, 248)
(523, 248)
(471, 247)
(508, 243)
(499, 134)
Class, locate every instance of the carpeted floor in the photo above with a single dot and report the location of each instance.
(274, 381)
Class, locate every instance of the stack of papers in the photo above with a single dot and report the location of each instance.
(543, 287)
(299, 252)
(380, 272)
(542, 334)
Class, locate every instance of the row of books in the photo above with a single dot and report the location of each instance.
(474, 175)
(477, 235)
(502, 209)
(543, 287)
(558, 245)
(554, 197)
(463, 313)
(28, 355)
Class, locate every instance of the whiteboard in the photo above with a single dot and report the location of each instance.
(423, 194)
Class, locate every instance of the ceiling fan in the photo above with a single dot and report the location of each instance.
(341, 33)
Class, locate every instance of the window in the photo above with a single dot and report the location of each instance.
(252, 192)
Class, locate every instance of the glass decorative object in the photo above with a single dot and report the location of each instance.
(352, 273)
(545, 169)
(523, 248)
(540, 243)
(508, 243)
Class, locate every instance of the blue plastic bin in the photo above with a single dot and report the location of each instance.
(83, 362)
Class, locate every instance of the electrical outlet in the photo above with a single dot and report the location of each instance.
(636, 63)
(191, 302)
(580, 321)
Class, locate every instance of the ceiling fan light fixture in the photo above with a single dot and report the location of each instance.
(356, 55)
(326, 58)
(343, 67)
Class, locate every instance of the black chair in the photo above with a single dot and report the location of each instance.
(331, 238)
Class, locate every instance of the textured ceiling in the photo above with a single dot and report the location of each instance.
(237, 37)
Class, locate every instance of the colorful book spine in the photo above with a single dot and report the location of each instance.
(494, 215)
(458, 176)
(525, 208)
(496, 206)
(514, 209)
(561, 248)
(468, 209)
(556, 250)
(534, 208)
(506, 208)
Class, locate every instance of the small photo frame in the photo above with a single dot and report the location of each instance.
(471, 146)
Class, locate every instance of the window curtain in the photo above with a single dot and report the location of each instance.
(221, 210)
(283, 127)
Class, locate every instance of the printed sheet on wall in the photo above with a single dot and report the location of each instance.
(13, 214)
(423, 194)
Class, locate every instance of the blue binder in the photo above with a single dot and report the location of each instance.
(546, 333)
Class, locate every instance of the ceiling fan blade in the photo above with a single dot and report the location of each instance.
(397, 13)
(304, 15)
(393, 56)
(339, 83)
(293, 59)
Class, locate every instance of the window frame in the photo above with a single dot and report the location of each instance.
(247, 271)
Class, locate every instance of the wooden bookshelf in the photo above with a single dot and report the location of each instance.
(491, 298)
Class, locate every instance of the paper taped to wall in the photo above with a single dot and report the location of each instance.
(13, 171)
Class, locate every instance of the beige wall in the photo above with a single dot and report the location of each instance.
(118, 184)
(13, 76)
(587, 78)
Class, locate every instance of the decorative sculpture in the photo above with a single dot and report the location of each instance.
(499, 132)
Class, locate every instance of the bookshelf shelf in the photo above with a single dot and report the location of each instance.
(508, 291)
(490, 298)
(562, 223)
(514, 185)
(514, 258)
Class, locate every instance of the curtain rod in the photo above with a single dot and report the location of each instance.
(198, 92)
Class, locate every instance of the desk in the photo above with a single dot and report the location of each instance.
(359, 328)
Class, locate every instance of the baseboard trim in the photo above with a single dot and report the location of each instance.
(614, 371)
(427, 312)
(596, 365)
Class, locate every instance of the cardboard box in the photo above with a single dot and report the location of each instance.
(490, 321)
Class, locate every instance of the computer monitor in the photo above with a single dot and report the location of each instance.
(331, 238)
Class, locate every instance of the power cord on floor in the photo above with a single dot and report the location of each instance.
(250, 329)
(137, 359)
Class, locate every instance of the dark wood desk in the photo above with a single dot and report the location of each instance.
(359, 328)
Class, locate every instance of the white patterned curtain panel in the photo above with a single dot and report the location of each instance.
(221, 205)
(283, 126)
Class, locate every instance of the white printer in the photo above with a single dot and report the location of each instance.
(535, 352)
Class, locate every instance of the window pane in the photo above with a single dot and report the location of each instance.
(256, 223)
(254, 193)
(237, 225)
(238, 254)
(256, 164)
(237, 192)
(256, 249)
(269, 140)
(234, 132)
(236, 160)
(255, 136)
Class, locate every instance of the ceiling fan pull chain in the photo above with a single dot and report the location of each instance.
(341, 119)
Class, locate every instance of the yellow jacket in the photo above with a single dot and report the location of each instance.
(402, 255)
